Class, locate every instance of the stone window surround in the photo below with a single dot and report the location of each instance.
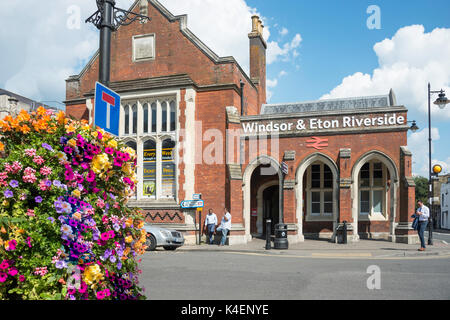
(140, 137)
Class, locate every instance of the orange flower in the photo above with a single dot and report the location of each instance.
(4, 126)
(25, 129)
(60, 117)
(2, 146)
(41, 111)
(23, 116)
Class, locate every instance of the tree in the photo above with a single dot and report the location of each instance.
(421, 189)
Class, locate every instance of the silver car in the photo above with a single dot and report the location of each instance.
(161, 237)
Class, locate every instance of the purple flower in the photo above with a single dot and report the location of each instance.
(112, 259)
(52, 220)
(57, 183)
(119, 265)
(8, 193)
(47, 146)
(60, 264)
(14, 183)
(38, 199)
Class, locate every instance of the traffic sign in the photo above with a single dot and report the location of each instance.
(107, 109)
(197, 196)
(192, 204)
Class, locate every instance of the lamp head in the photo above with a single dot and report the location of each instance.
(442, 100)
(414, 126)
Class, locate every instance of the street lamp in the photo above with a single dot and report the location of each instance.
(441, 101)
(414, 126)
(107, 19)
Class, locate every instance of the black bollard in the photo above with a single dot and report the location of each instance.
(268, 233)
(344, 233)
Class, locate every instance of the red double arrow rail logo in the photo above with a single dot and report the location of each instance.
(317, 143)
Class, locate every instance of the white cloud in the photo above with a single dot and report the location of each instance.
(407, 62)
(275, 52)
(271, 83)
(282, 73)
(284, 31)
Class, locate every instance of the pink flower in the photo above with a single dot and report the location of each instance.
(30, 213)
(29, 178)
(100, 295)
(100, 203)
(3, 277)
(12, 245)
(28, 171)
(21, 278)
(4, 265)
(12, 272)
(30, 152)
(38, 160)
(104, 236)
(46, 171)
(29, 242)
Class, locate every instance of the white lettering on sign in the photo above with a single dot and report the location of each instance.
(321, 124)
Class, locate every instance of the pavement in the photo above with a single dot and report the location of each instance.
(326, 249)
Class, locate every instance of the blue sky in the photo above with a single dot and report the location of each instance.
(316, 49)
(337, 43)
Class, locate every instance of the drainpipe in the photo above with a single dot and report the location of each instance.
(242, 97)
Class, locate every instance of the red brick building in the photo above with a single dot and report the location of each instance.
(200, 124)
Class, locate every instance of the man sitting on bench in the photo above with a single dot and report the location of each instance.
(225, 227)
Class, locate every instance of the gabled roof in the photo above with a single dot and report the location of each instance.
(184, 30)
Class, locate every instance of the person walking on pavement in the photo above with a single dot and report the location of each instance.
(225, 226)
(210, 224)
(424, 213)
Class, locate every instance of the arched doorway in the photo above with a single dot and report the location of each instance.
(317, 194)
(261, 174)
(374, 194)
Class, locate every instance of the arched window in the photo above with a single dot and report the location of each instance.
(164, 117)
(154, 117)
(135, 115)
(172, 116)
(372, 188)
(320, 190)
(168, 177)
(145, 119)
(127, 119)
(149, 177)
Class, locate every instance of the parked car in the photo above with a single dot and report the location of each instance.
(161, 237)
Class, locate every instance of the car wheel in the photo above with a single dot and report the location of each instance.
(169, 248)
(150, 242)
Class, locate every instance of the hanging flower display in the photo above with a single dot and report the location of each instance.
(66, 232)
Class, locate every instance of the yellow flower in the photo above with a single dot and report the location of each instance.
(127, 169)
(92, 274)
(129, 222)
(77, 215)
(100, 163)
(112, 144)
(72, 142)
(76, 193)
(61, 156)
(128, 239)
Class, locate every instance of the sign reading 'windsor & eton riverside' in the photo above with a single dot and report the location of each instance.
(339, 122)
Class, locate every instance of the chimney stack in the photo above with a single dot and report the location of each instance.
(258, 47)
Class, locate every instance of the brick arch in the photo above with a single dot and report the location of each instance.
(299, 173)
(393, 190)
(246, 192)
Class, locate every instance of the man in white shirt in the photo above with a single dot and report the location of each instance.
(225, 227)
(424, 213)
(210, 224)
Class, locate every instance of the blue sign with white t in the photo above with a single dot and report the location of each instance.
(107, 109)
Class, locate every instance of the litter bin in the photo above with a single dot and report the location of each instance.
(281, 241)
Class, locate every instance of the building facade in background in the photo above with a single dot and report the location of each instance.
(201, 125)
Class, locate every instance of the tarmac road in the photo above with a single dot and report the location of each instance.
(222, 275)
